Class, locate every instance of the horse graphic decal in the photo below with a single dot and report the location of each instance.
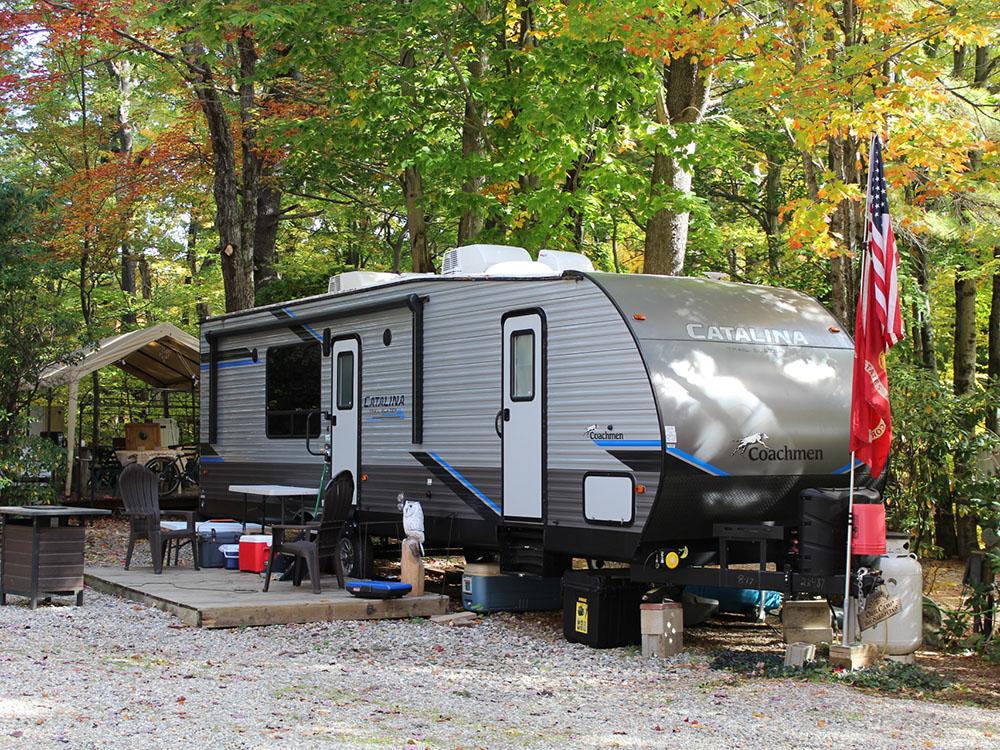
(758, 438)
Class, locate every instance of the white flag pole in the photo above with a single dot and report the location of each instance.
(847, 565)
(846, 626)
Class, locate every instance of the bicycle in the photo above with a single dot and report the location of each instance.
(104, 471)
(174, 472)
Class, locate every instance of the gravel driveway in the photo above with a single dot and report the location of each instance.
(118, 675)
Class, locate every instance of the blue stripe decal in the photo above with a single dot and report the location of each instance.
(468, 485)
(628, 443)
(846, 468)
(211, 459)
(308, 327)
(703, 465)
(675, 452)
(398, 414)
(230, 363)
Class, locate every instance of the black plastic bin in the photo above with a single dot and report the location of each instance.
(601, 607)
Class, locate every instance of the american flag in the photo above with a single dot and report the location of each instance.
(877, 327)
(882, 259)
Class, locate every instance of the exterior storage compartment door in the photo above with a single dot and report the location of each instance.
(522, 416)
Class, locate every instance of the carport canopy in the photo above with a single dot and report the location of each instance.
(162, 355)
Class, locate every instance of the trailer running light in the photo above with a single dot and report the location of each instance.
(639, 316)
(640, 489)
(364, 477)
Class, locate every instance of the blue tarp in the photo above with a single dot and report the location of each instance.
(738, 601)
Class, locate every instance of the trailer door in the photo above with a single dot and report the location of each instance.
(522, 413)
(345, 432)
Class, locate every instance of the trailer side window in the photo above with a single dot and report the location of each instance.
(345, 380)
(522, 365)
(293, 391)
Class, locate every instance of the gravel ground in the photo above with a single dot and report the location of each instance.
(119, 675)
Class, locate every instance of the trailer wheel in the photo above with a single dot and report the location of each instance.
(356, 554)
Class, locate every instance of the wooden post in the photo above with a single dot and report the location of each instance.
(74, 391)
(412, 567)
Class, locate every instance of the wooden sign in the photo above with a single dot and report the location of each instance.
(879, 607)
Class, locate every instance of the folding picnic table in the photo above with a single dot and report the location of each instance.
(265, 491)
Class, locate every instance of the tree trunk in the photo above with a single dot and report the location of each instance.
(844, 225)
(250, 176)
(471, 222)
(965, 382)
(416, 223)
(266, 229)
(572, 185)
(982, 69)
(772, 210)
(147, 279)
(925, 331)
(958, 62)
(120, 143)
(993, 360)
(236, 256)
(681, 100)
(413, 191)
(191, 259)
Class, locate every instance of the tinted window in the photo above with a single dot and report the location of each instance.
(293, 391)
(522, 365)
(345, 380)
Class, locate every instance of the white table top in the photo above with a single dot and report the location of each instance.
(273, 490)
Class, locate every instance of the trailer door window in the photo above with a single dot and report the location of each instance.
(345, 380)
(293, 391)
(522, 365)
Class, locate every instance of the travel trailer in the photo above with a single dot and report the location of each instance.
(538, 409)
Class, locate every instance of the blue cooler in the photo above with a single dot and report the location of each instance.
(212, 534)
(485, 589)
(231, 555)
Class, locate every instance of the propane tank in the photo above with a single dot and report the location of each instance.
(900, 635)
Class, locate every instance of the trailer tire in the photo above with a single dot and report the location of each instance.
(356, 553)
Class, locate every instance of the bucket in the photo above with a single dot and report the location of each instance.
(230, 556)
(869, 529)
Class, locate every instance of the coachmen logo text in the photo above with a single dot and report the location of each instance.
(784, 453)
(746, 334)
(597, 433)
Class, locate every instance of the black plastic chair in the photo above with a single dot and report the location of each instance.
(317, 540)
(141, 496)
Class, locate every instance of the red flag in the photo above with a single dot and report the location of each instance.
(877, 327)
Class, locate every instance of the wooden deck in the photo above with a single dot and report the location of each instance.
(218, 598)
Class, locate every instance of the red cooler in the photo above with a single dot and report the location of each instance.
(254, 551)
(869, 529)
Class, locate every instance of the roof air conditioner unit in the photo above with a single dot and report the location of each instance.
(561, 260)
(520, 268)
(471, 260)
(350, 280)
